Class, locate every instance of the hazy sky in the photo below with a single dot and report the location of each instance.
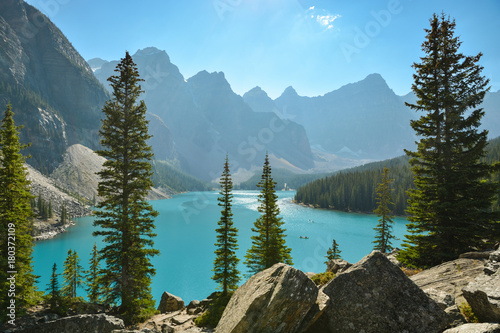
(314, 46)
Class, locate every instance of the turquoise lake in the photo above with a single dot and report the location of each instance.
(186, 235)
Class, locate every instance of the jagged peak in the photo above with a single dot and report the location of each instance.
(213, 78)
(256, 91)
(289, 92)
(149, 51)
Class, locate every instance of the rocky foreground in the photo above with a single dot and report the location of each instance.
(371, 296)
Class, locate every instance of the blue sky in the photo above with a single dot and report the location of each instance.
(314, 46)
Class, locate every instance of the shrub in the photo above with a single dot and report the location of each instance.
(409, 271)
(321, 279)
(214, 312)
(466, 310)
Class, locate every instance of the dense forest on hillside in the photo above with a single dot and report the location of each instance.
(168, 177)
(355, 189)
(281, 177)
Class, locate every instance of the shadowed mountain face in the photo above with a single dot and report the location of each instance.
(207, 119)
(364, 119)
(51, 87)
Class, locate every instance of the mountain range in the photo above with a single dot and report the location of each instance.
(195, 122)
(207, 119)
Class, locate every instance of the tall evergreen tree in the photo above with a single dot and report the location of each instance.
(333, 252)
(125, 218)
(93, 277)
(268, 244)
(384, 211)
(53, 289)
(63, 214)
(73, 274)
(16, 224)
(226, 273)
(449, 209)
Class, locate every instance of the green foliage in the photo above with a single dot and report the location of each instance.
(16, 225)
(355, 189)
(281, 177)
(384, 227)
(268, 244)
(321, 279)
(450, 206)
(94, 289)
(54, 295)
(467, 312)
(333, 252)
(332, 192)
(124, 217)
(226, 273)
(73, 275)
(44, 208)
(211, 317)
(167, 176)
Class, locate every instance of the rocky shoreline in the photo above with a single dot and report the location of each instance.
(75, 203)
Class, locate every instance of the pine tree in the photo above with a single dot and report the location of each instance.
(73, 275)
(53, 289)
(63, 214)
(384, 211)
(50, 213)
(125, 218)
(93, 277)
(16, 224)
(333, 252)
(449, 209)
(268, 245)
(226, 273)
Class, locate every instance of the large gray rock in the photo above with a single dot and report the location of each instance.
(375, 296)
(169, 303)
(272, 301)
(450, 277)
(337, 266)
(475, 328)
(493, 264)
(483, 295)
(87, 323)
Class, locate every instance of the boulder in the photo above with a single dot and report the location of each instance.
(393, 256)
(169, 303)
(87, 323)
(194, 307)
(442, 298)
(455, 315)
(495, 256)
(483, 295)
(475, 255)
(450, 277)
(337, 266)
(274, 300)
(475, 328)
(491, 267)
(373, 296)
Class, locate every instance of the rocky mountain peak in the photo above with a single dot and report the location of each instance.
(214, 79)
(289, 92)
(255, 91)
(149, 51)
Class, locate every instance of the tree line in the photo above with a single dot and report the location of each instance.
(354, 189)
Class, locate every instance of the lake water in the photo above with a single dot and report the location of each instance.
(186, 235)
